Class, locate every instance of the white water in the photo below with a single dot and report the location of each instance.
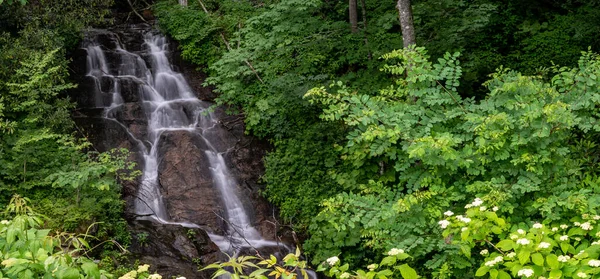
(163, 94)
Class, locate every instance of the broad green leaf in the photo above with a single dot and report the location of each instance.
(555, 274)
(388, 260)
(91, 270)
(67, 273)
(503, 275)
(523, 256)
(408, 272)
(482, 271)
(505, 245)
(537, 259)
(552, 261)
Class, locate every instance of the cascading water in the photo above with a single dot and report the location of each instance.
(169, 105)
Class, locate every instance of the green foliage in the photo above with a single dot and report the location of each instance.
(422, 141)
(290, 267)
(9, 2)
(391, 266)
(40, 154)
(28, 251)
(396, 144)
(299, 167)
(549, 249)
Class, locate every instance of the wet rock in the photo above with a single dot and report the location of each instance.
(104, 133)
(186, 181)
(129, 88)
(133, 41)
(107, 39)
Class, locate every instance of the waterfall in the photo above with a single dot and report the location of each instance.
(169, 104)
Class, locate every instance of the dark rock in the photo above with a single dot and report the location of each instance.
(129, 88)
(107, 39)
(104, 133)
(172, 250)
(186, 181)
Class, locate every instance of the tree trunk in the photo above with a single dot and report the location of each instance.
(353, 16)
(406, 22)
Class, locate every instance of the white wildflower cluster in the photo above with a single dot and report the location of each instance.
(587, 226)
(181, 277)
(477, 202)
(564, 237)
(596, 243)
(563, 226)
(564, 258)
(554, 229)
(494, 261)
(463, 219)
(143, 268)
(596, 217)
(582, 275)
(577, 224)
(333, 260)
(523, 241)
(482, 208)
(544, 245)
(520, 231)
(395, 251)
(444, 223)
(4, 222)
(155, 276)
(463, 229)
(495, 208)
(527, 272)
(129, 275)
(448, 213)
(514, 236)
(372, 267)
(345, 275)
(538, 226)
(594, 263)
(511, 255)
(484, 252)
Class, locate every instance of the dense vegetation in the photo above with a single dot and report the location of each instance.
(376, 148)
(43, 155)
(372, 142)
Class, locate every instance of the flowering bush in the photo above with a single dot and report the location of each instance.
(390, 267)
(538, 250)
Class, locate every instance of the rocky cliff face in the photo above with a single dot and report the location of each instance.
(183, 176)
